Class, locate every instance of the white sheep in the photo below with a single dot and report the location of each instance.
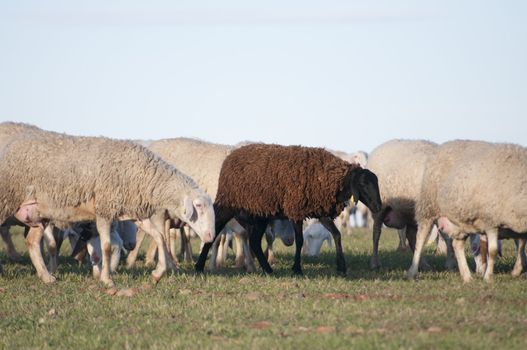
(314, 236)
(200, 160)
(50, 176)
(399, 165)
(460, 180)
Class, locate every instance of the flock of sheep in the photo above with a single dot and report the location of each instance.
(106, 194)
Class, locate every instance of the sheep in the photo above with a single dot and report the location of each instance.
(399, 184)
(260, 182)
(314, 236)
(282, 229)
(199, 159)
(460, 180)
(202, 161)
(61, 178)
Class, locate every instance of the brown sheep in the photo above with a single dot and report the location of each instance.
(260, 182)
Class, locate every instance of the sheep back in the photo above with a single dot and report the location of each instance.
(399, 166)
(478, 185)
(199, 159)
(284, 181)
(122, 177)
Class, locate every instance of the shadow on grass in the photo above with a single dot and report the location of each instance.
(394, 266)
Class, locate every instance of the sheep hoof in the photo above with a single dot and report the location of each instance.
(451, 266)
(199, 267)
(375, 265)
(48, 279)
(468, 280)
(108, 283)
(298, 272)
(15, 257)
(268, 271)
(156, 278)
(411, 275)
(516, 273)
(342, 273)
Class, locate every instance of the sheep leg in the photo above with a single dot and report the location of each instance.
(132, 255)
(492, 238)
(377, 229)
(222, 251)
(247, 253)
(222, 218)
(330, 226)
(484, 252)
(32, 242)
(459, 249)
(424, 229)
(173, 234)
(214, 253)
(58, 235)
(153, 227)
(256, 231)
(103, 227)
(240, 256)
(521, 260)
(269, 250)
(10, 247)
(185, 244)
(411, 232)
(450, 262)
(299, 242)
(168, 235)
(151, 254)
(52, 248)
(403, 247)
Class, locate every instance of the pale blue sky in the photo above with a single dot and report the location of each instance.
(341, 74)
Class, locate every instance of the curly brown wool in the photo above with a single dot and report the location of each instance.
(290, 181)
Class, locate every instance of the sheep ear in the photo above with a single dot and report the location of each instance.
(355, 185)
(189, 208)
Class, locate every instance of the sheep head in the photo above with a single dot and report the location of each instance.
(198, 212)
(365, 188)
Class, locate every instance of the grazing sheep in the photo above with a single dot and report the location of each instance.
(314, 236)
(400, 185)
(260, 182)
(459, 182)
(282, 229)
(52, 176)
(200, 160)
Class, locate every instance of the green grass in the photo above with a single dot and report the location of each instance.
(232, 309)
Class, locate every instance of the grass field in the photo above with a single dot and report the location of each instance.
(232, 309)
